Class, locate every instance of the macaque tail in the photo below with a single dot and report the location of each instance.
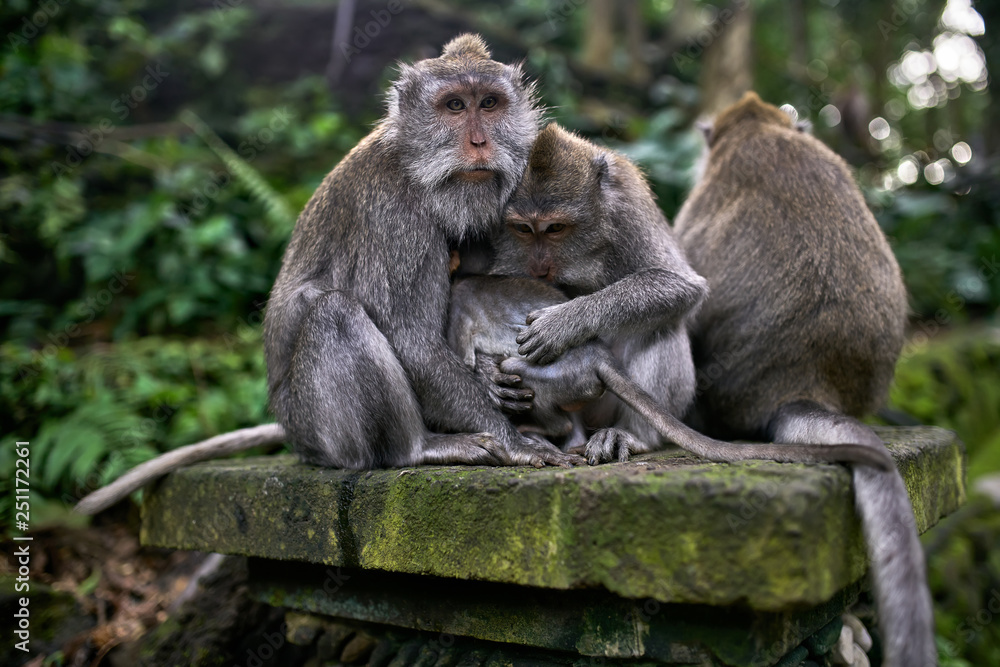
(687, 438)
(899, 574)
(814, 434)
(213, 448)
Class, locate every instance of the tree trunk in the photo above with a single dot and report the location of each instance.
(599, 36)
(635, 38)
(727, 66)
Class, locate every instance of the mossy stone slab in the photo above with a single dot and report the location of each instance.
(606, 628)
(665, 526)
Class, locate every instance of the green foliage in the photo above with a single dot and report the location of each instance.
(91, 415)
(278, 212)
(948, 245)
(947, 235)
(122, 220)
(954, 382)
(963, 563)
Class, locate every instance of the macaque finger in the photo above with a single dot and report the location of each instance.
(515, 393)
(517, 401)
(505, 379)
(516, 407)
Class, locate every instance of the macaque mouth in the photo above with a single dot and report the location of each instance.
(476, 174)
(549, 276)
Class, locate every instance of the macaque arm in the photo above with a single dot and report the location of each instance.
(645, 300)
(453, 399)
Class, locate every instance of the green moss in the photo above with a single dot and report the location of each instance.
(954, 381)
(665, 526)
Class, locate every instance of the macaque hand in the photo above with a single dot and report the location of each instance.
(505, 389)
(550, 332)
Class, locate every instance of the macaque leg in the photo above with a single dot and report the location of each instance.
(348, 403)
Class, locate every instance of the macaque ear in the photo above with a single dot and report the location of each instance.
(407, 79)
(602, 169)
(402, 92)
(705, 127)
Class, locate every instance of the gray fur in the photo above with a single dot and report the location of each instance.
(358, 367)
(631, 285)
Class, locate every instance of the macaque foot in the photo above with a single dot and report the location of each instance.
(468, 448)
(534, 450)
(611, 444)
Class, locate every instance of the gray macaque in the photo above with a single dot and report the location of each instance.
(359, 372)
(484, 321)
(358, 366)
(802, 329)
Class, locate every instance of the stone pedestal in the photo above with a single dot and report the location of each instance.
(666, 559)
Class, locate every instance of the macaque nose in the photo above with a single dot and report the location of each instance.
(541, 270)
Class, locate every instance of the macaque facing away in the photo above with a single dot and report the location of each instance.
(802, 328)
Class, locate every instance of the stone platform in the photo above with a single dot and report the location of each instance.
(666, 557)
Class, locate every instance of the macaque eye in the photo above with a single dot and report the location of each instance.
(455, 104)
(522, 228)
(555, 228)
(488, 102)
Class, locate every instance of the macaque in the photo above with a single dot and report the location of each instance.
(802, 328)
(584, 219)
(359, 372)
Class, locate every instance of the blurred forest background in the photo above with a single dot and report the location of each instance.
(154, 156)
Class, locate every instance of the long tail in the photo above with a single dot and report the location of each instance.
(684, 436)
(213, 448)
(899, 574)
